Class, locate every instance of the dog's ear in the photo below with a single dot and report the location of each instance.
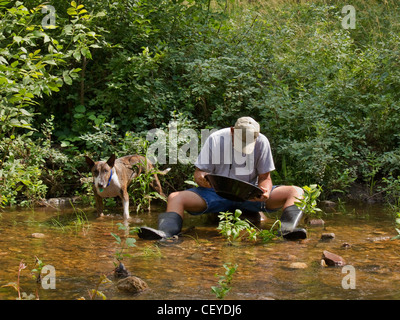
(111, 161)
(90, 162)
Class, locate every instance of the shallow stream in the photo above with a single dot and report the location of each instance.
(81, 250)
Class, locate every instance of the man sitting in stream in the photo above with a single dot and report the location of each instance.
(240, 152)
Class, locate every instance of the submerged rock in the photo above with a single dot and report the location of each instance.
(298, 265)
(346, 245)
(121, 272)
(61, 202)
(132, 284)
(316, 222)
(38, 235)
(327, 236)
(332, 259)
(328, 203)
(377, 239)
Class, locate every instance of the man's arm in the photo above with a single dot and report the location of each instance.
(265, 183)
(200, 178)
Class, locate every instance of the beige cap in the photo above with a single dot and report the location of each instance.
(246, 131)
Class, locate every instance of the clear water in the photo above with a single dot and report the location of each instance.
(81, 254)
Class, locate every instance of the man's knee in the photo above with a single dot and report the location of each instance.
(174, 196)
(299, 192)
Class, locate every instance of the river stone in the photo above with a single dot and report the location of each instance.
(121, 272)
(332, 259)
(328, 204)
(316, 222)
(38, 235)
(298, 265)
(132, 284)
(346, 245)
(377, 239)
(327, 236)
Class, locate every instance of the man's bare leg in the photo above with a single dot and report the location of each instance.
(283, 197)
(185, 200)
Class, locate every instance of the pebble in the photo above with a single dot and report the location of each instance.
(328, 204)
(38, 235)
(376, 239)
(316, 222)
(132, 284)
(298, 265)
(346, 245)
(332, 259)
(327, 236)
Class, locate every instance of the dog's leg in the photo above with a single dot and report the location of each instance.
(125, 203)
(99, 204)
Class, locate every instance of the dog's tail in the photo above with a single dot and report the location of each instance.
(164, 172)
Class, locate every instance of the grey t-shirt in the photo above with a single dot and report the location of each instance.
(219, 157)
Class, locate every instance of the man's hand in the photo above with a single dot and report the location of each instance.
(200, 178)
(264, 197)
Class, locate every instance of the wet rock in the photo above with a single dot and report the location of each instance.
(332, 259)
(61, 202)
(265, 298)
(121, 272)
(327, 236)
(316, 222)
(298, 265)
(132, 284)
(136, 220)
(38, 235)
(346, 245)
(328, 203)
(377, 239)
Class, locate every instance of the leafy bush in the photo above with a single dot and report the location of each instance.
(325, 96)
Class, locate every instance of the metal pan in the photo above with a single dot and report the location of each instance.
(233, 189)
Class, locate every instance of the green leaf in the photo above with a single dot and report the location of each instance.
(80, 109)
(116, 237)
(72, 12)
(77, 55)
(67, 78)
(130, 242)
(86, 53)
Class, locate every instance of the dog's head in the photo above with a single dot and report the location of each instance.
(101, 171)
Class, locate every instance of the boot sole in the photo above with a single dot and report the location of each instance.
(298, 234)
(150, 234)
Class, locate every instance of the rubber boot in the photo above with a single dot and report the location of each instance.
(169, 224)
(290, 218)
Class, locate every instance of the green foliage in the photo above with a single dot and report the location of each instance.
(224, 282)
(397, 228)
(123, 244)
(391, 189)
(34, 62)
(326, 97)
(308, 204)
(94, 293)
(233, 228)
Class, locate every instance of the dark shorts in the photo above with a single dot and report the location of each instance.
(216, 203)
